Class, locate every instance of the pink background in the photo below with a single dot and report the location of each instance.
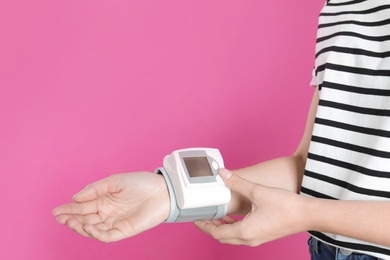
(92, 88)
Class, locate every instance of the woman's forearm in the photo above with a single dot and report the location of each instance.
(363, 220)
(284, 172)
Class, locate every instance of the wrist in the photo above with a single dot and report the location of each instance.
(308, 210)
(163, 196)
(238, 205)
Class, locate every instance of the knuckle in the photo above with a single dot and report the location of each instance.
(81, 208)
(223, 241)
(105, 240)
(253, 243)
(242, 233)
(247, 236)
(109, 241)
(215, 236)
(236, 181)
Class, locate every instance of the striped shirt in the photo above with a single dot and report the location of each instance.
(349, 154)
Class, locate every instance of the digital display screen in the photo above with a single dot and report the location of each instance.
(198, 166)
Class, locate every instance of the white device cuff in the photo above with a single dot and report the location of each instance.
(189, 215)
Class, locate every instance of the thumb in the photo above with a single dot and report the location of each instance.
(237, 184)
(99, 188)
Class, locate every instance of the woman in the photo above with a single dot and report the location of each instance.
(336, 184)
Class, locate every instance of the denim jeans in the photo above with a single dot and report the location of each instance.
(322, 251)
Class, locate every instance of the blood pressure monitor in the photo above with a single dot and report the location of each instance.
(196, 190)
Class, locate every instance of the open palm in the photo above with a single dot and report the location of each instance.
(118, 207)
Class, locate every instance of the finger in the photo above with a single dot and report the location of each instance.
(97, 189)
(223, 221)
(217, 222)
(61, 219)
(83, 219)
(229, 220)
(77, 208)
(103, 226)
(76, 227)
(103, 234)
(238, 184)
(227, 232)
(77, 223)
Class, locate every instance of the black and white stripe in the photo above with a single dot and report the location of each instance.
(349, 156)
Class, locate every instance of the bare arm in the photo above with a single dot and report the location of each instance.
(364, 220)
(284, 172)
(277, 213)
(268, 191)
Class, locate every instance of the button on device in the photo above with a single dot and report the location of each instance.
(215, 165)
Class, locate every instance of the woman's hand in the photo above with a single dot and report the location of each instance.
(117, 207)
(275, 213)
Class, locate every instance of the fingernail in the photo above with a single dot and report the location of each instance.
(54, 212)
(225, 174)
(69, 226)
(60, 220)
(199, 222)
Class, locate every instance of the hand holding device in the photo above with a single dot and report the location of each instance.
(275, 213)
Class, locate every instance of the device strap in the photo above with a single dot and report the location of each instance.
(189, 215)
